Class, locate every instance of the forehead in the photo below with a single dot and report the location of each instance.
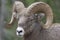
(24, 12)
(22, 19)
(23, 16)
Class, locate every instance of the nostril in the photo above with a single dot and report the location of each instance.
(19, 31)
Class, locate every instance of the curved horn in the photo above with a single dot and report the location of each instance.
(42, 7)
(17, 8)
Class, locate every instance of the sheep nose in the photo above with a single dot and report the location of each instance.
(20, 31)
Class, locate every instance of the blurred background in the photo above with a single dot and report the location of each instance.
(8, 33)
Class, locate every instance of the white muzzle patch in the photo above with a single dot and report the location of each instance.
(20, 31)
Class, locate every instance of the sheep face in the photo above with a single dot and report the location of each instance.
(26, 23)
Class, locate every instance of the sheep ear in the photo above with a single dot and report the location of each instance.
(38, 16)
(41, 15)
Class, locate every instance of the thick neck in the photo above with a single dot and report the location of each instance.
(34, 34)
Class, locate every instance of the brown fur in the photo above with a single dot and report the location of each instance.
(35, 30)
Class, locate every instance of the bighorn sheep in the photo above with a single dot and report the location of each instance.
(31, 29)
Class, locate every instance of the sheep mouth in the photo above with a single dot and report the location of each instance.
(19, 35)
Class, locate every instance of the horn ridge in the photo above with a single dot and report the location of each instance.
(42, 7)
